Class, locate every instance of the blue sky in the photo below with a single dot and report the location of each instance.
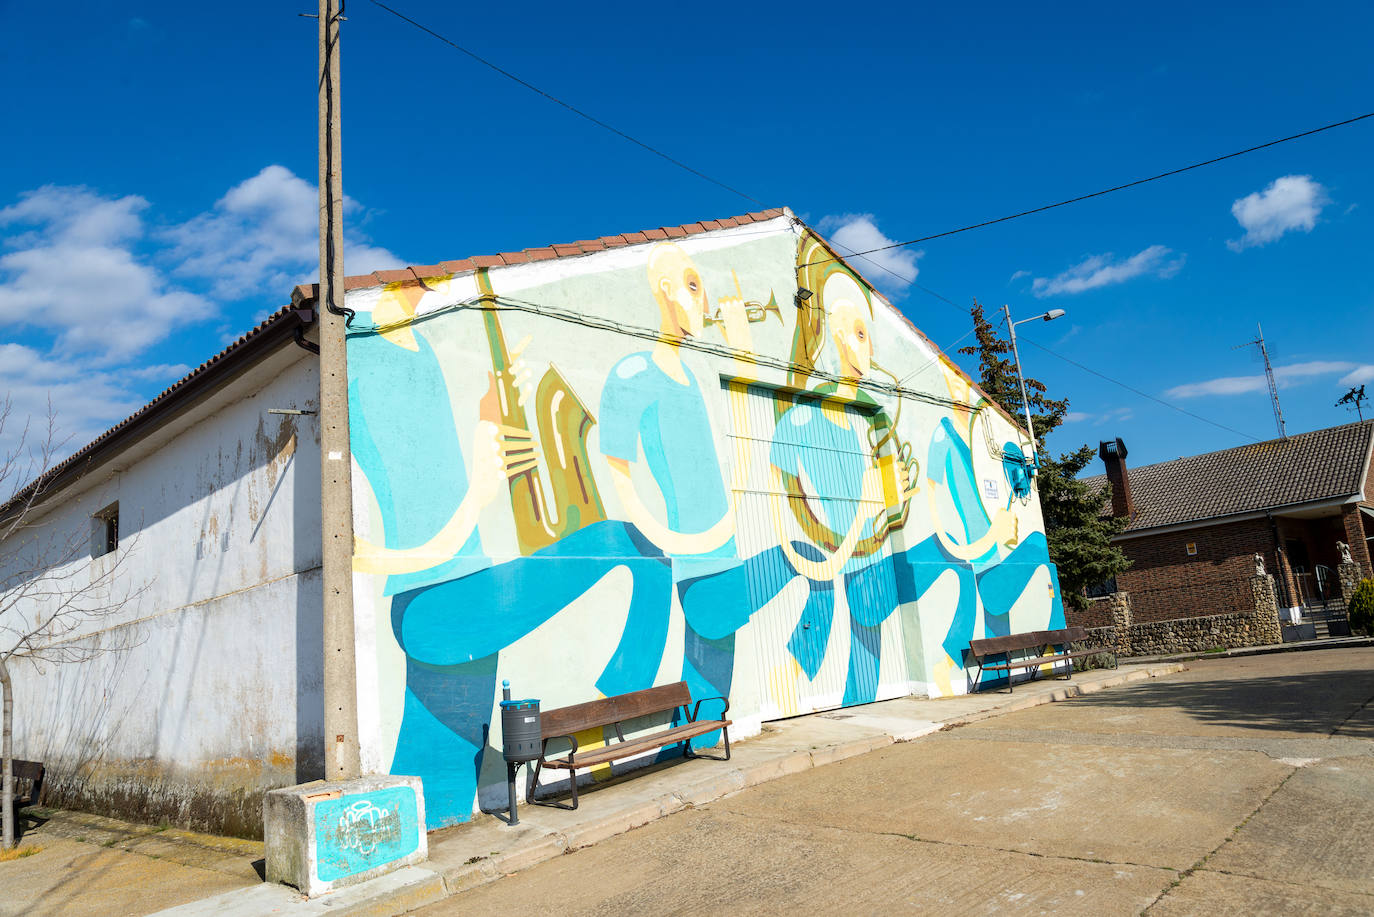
(157, 198)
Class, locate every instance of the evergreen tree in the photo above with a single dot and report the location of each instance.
(1078, 526)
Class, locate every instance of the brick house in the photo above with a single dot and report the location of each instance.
(1196, 523)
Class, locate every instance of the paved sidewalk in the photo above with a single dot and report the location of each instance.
(487, 849)
(88, 864)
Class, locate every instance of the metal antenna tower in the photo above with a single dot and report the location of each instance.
(1268, 375)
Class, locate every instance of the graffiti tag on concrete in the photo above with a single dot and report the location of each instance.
(361, 831)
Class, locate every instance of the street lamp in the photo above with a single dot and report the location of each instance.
(1025, 402)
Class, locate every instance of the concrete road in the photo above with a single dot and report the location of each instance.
(1242, 786)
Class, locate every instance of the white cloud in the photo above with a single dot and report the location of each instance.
(262, 237)
(75, 273)
(87, 400)
(1284, 376)
(1115, 415)
(84, 268)
(857, 232)
(1018, 275)
(1291, 202)
(1101, 271)
(1359, 375)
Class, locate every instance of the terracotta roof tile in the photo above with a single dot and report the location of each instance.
(361, 282)
(728, 223)
(457, 267)
(541, 254)
(398, 276)
(675, 232)
(613, 241)
(564, 249)
(426, 271)
(1320, 465)
(487, 261)
(654, 235)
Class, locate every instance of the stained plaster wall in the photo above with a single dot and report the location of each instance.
(211, 691)
(453, 593)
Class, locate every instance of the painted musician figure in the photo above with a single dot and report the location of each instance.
(828, 441)
(652, 401)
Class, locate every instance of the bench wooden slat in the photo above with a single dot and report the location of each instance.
(617, 750)
(616, 711)
(651, 700)
(1037, 661)
(990, 646)
(566, 721)
(606, 711)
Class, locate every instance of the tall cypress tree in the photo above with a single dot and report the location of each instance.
(1077, 525)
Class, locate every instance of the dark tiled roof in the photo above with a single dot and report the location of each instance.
(277, 327)
(1320, 465)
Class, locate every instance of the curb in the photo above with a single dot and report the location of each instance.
(1301, 646)
(1071, 690)
(417, 886)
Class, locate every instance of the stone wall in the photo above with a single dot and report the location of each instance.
(1257, 626)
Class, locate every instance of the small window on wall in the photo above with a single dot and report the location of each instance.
(105, 530)
(1191, 548)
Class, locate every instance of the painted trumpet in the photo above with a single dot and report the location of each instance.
(753, 310)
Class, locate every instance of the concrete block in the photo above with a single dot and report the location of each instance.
(321, 836)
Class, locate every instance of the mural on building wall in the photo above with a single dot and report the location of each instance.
(715, 493)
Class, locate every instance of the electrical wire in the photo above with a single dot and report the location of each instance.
(1122, 187)
(572, 108)
(1130, 388)
(895, 389)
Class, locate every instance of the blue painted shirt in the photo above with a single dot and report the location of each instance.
(644, 407)
(403, 438)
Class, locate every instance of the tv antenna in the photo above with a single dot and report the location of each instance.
(1268, 375)
(1354, 398)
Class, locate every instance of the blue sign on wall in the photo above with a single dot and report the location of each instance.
(360, 831)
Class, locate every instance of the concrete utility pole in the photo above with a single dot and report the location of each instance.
(336, 477)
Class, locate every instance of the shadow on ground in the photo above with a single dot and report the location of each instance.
(1322, 703)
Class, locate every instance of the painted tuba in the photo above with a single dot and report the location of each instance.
(564, 423)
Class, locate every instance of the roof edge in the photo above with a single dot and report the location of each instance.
(190, 390)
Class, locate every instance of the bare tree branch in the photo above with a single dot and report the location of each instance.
(62, 598)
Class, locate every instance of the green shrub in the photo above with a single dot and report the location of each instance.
(1361, 608)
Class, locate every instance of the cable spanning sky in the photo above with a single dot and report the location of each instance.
(156, 198)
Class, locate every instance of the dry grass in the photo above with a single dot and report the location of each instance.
(18, 853)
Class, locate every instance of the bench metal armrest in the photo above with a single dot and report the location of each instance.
(696, 710)
(544, 749)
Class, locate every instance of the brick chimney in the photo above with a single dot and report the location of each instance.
(1113, 452)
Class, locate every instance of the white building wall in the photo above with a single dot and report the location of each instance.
(213, 689)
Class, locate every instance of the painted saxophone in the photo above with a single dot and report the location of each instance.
(564, 423)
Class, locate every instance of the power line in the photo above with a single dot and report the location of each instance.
(863, 254)
(1131, 388)
(1130, 184)
(572, 108)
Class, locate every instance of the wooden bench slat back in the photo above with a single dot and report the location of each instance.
(28, 781)
(652, 700)
(1030, 640)
(568, 720)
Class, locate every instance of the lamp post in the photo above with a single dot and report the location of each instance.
(1025, 402)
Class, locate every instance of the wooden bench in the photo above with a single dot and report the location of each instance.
(564, 722)
(28, 784)
(1032, 650)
